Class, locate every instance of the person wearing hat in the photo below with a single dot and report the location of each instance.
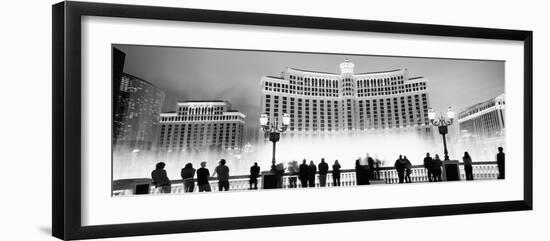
(223, 176)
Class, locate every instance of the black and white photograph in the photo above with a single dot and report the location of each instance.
(274, 120)
(192, 120)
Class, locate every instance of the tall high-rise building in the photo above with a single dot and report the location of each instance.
(118, 58)
(117, 65)
(202, 125)
(137, 112)
(348, 102)
(484, 121)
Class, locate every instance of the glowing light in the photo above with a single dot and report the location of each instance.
(450, 113)
(263, 119)
(431, 114)
(286, 119)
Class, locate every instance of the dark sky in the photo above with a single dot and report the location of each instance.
(194, 74)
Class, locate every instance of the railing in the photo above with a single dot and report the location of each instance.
(384, 175)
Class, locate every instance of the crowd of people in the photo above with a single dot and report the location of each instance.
(306, 173)
(366, 170)
(162, 182)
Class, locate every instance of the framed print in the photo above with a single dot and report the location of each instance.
(169, 120)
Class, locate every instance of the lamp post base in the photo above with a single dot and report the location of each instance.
(269, 180)
(451, 170)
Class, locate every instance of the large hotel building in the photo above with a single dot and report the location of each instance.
(484, 121)
(200, 126)
(347, 102)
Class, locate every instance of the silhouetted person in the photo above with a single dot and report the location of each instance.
(468, 166)
(500, 163)
(366, 170)
(370, 162)
(408, 170)
(254, 174)
(436, 165)
(362, 171)
(400, 168)
(323, 171)
(304, 173)
(336, 173)
(187, 174)
(358, 174)
(223, 176)
(312, 172)
(377, 164)
(202, 178)
(292, 172)
(428, 161)
(160, 178)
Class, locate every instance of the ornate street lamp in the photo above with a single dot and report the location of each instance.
(442, 125)
(274, 129)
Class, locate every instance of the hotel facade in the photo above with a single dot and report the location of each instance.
(482, 125)
(206, 125)
(347, 102)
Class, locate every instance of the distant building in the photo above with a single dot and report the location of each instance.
(484, 120)
(348, 102)
(202, 125)
(482, 126)
(118, 68)
(138, 104)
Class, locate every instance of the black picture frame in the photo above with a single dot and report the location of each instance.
(66, 128)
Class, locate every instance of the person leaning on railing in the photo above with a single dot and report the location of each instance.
(160, 178)
(202, 178)
(254, 174)
(187, 174)
(304, 173)
(377, 164)
(358, 175)
(436, 165)
(223, 176)
(408, 170)
(370, 163)
(323, 171)
(311, 174)
(468, 166)
(336, 173)
(399, 165)
(428, 161)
